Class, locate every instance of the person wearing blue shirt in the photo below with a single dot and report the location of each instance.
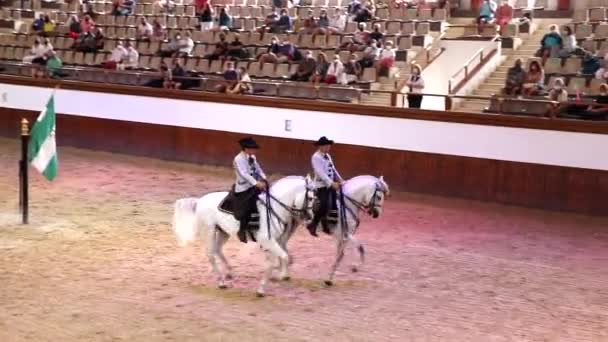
(487, 13)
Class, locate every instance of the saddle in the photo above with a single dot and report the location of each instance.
(230, 205)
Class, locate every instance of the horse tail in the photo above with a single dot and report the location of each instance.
(185, 221)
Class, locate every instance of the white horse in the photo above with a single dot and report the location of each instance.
(291, 200)
(361, 194)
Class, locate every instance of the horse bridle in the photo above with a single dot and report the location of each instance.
(301, 213)
(372, 205)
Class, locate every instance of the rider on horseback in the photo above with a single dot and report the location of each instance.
(327, 182)
(250, 180)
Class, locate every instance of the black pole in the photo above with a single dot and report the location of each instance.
(23, 174)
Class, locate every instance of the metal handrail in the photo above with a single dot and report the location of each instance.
(465, 68)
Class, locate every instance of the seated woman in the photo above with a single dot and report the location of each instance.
(74, 27)
(487, 14)
(569, 45)
(504, 15)
(352, 69)
(550, 44)
(244, 84)
(535, 79)
(48, 28)
(557, 92)
(516, 77)
(145, 31)
(320, 69)
(386, 59)
(599, 111)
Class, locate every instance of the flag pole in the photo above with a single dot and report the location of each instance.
(23, 174)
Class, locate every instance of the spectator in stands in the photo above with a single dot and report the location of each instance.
(236, 49)
(37, 52)
(131, 60)
(370, 55)
(335, 72)
(358, 41)
(550, 44)
(221, 48)
(283, 24)
(206, 17)
(54, 65)
(87, 24)
(569, 45)
(602, 73)
(199, 5)
(386, 59)
(118, 54)
(322, 25)
(353, 8)
(352, 69)
(270, 19)
(74, 27)
(244, 84)
(48, 28)
(38, 24)
(159, 33)
(600, 110)
(337, 22)
(535, 79)
(504, 15)
(516, 77)
(164, 6)
(364, 14)
(177, 75)
(309, 24)
(415, 84)
(270, 56)
(487, 14)
(376, 34)
(224, 20)
(590, 64)
(320, 69)
(123, 7)
(231, 77)
(557, 92)
(166, 78)
(145, 31)
(287, 51)
(305, 68)
(185, 45)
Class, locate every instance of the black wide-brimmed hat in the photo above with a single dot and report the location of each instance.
(324, 141)
(248, 143)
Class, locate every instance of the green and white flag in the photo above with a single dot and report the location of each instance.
(42, 148)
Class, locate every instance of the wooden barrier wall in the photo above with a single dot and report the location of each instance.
(530, 185)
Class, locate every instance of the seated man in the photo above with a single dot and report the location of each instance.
(250, 180)
(305, 68)
(515, 79)
(487, 13)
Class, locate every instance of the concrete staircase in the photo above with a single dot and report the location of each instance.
(496, 81)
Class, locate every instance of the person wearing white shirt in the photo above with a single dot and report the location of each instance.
(131, 59)
(335, 72)
(118, 54)
(144, 29)
(185, 45)
(386, 58)
(415, 85)
(37, 51)
(337, 22)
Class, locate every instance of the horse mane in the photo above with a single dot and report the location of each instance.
(278, 188)
(366, 178)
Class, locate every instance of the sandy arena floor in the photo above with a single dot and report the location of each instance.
(99, 263)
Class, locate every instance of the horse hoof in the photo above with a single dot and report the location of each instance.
(354, 269)
(329, 283)
(222, 287)
(286, 278)
(259, 294)
(229, 276)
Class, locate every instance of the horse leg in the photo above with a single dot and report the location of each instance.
(222, 238)
(359, 247)
(211, 253)
(273, 249)
(340, 246)
(284, 264)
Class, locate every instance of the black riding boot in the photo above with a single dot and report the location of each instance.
(312, 226)
(242, 234)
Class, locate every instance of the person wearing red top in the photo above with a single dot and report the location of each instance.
(200, 5)
(504, 15)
